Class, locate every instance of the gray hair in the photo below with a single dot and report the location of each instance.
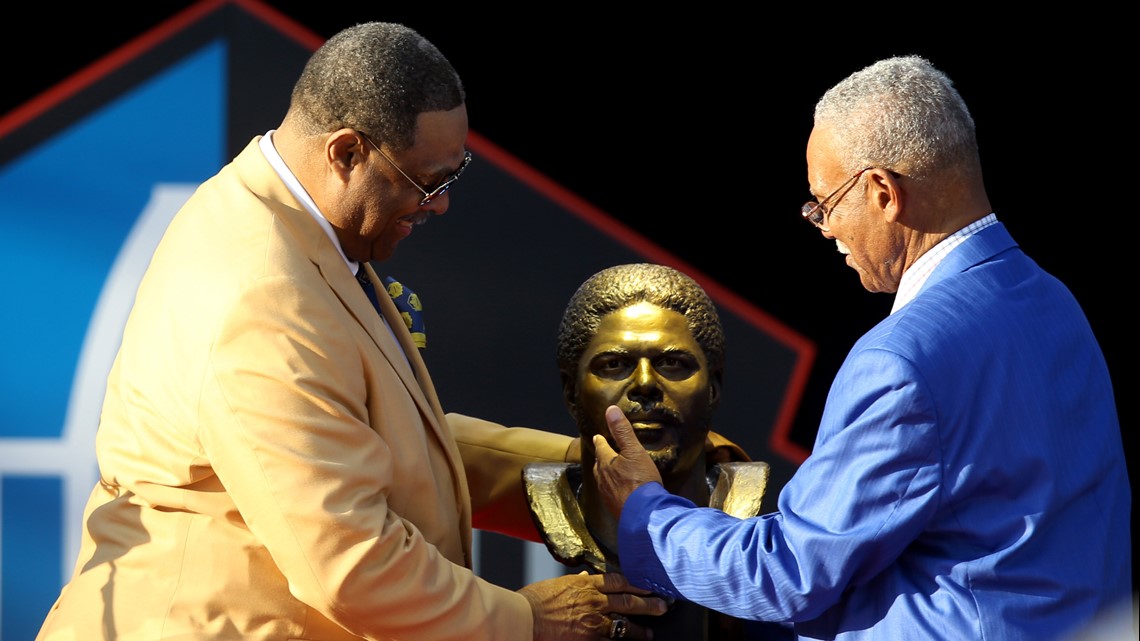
(900, 114)
(376, 77)
(615, 288)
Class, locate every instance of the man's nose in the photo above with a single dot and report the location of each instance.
(644, 380)
(438, 205)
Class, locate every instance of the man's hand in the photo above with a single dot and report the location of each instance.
(618, 474)
(584, 606)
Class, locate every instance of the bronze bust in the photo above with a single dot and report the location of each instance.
(648, 339)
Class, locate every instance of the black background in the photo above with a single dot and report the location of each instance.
(690, 126)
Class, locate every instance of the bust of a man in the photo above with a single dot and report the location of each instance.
(648, 339)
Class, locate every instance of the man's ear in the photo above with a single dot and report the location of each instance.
(716, 379)
(888, 193)
(344, 151)
(570, 393)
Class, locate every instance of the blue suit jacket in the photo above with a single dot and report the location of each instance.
(968, 479)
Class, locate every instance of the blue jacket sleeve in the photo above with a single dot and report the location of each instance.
(851, 509)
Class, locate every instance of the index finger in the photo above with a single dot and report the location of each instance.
(622, 597)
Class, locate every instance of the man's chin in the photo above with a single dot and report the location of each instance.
(664, 458)
(381, 253)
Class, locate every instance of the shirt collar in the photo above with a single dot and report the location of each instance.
(914, 278)
(298, 191)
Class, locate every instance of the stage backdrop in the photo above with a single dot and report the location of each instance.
(92, 171)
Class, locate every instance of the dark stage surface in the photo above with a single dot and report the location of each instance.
(690, 128)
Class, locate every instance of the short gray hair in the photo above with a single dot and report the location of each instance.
(900, 114)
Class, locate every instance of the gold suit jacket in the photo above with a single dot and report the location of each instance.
(272, 466)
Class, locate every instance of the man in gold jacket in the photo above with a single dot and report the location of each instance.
(274, 462)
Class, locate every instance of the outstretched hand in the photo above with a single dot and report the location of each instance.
(618, 474)
(583, 607)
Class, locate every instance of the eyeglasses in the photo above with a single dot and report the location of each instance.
(440, 189)
(814, 212)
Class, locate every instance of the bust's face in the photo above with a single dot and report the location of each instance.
(645, 360)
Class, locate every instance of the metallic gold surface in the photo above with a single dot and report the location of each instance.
(647, 339)
(551, 490)
(740, 489)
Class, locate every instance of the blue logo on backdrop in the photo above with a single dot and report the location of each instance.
(80, 215)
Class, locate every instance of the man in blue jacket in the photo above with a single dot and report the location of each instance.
(968, 479)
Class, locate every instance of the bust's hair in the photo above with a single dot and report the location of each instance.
(376, 77)
(901, 114)
(615, 288)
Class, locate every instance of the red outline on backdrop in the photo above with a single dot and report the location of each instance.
(804, 348)
(778, 441)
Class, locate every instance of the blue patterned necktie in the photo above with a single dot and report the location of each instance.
(407, 302)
